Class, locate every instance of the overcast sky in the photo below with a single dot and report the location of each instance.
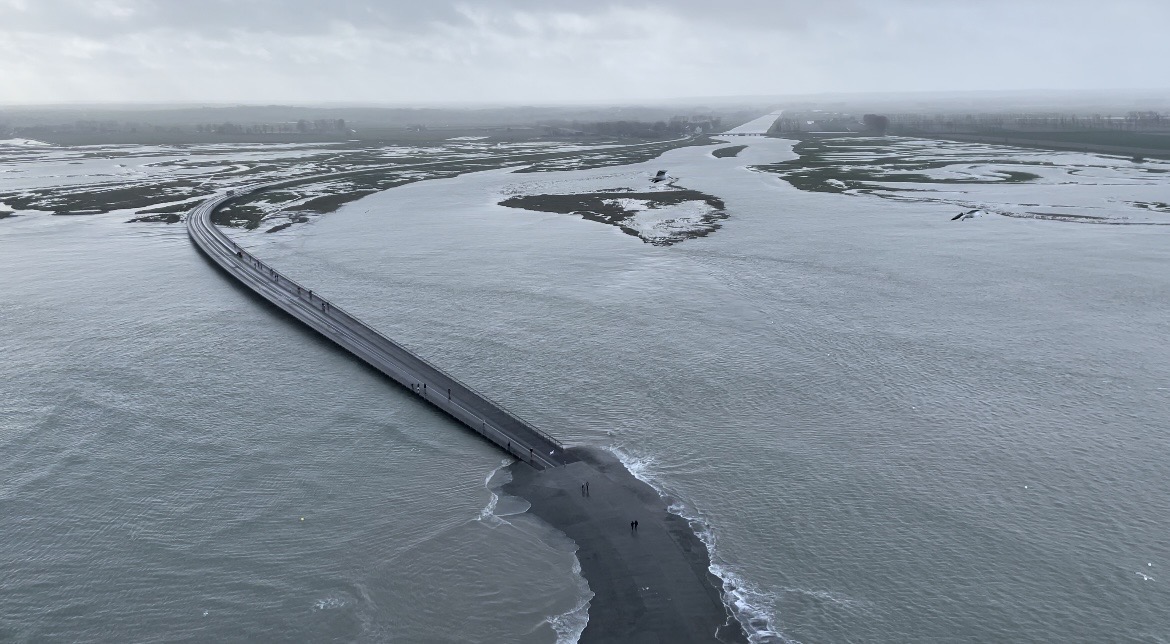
(548, 51)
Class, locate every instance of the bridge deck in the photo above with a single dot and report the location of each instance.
(487, 418)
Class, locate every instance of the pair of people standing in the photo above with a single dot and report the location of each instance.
(585, 488)
(634, 525)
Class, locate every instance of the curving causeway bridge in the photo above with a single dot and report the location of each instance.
(650, 584)
(519, 438)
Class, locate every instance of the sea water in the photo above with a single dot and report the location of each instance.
(886, 426)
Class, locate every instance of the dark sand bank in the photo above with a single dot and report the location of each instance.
(728, 152)
(279, 227)
(652, 585)
(161, 218)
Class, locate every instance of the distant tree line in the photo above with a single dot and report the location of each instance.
(677, 126)
(91, 127)
(303, 126)
(1137, 121)
(876, 123)
(822, 122)
(1133, 121)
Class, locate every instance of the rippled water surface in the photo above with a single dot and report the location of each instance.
(893, 427)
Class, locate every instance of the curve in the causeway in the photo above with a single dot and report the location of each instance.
(651, 584)
(491, 420)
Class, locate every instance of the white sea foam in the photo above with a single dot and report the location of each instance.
(633, 205)
(488, 513)
(23, 142)
(17, 211)
(667, 222)
(567, 625)
(747, 603)
(570, 624)
(330, 602)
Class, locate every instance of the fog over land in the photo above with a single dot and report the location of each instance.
(68, 51)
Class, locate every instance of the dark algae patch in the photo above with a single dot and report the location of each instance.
(731, 151)
(605, 157)
(279, 227)
(97, 199)
(1155, 206)
(168, 214)
(330, 203)
(161, 218)
(652, 221)
(238, 215)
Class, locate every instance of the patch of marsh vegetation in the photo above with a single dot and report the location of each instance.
(659, 217)
(844, 164)
(991, 178)
(161, 183)
(1156, 206)
(602, 157)
(728, 152)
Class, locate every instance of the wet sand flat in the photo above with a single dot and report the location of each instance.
(649, 585)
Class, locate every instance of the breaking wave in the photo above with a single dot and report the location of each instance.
(746, 603)
(488, 513)
(570, 624)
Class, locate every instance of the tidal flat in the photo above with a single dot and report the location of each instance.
(661, 217)
(159, 183)
(1001, 180)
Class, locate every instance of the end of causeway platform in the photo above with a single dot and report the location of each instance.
(650, 585)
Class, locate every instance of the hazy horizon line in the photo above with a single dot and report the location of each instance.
(1119, 94)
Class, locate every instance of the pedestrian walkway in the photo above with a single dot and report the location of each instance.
(491, 420)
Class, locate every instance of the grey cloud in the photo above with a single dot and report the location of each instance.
(562, 50)
(299, 17)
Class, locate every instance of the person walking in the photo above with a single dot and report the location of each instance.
(586, 488)
(635, 525)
